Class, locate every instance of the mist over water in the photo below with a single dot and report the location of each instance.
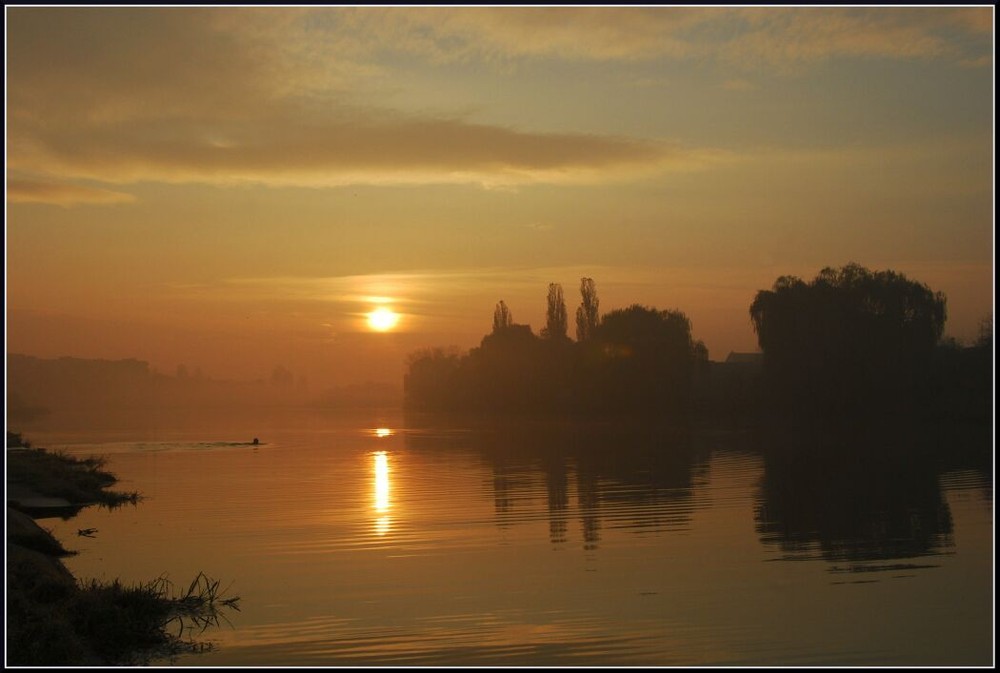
(378, 538)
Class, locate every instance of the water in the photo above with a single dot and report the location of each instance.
(383, 540)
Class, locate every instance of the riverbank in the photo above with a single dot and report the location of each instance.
(54, 619)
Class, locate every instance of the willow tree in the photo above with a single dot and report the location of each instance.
(850, 338)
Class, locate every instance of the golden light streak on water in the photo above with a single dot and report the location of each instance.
(383, 522)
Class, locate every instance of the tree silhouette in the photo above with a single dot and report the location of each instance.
(849, 340)
(587, 315)
(555, 315)
(649, 358)
(433, 379)
(985, 337)
(505, 369)
(634, 359)
(502, 318)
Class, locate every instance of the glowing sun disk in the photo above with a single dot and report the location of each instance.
(383, 319)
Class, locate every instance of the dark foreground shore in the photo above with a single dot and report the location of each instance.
(54, 619)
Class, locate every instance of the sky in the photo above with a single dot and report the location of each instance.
(235, 188)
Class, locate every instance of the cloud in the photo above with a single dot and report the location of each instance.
(282, 96)
(781, 37)
(582, 33)
(405, 290)
(793, 38)
(61, 194)
(285, 149)
(984, 61)
(173, 95)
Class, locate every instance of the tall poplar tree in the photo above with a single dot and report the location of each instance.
(555, 314)
(587, 316)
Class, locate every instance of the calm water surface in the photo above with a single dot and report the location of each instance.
(383, 540)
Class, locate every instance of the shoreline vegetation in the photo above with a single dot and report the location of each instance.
(851, 343)
(55, 619)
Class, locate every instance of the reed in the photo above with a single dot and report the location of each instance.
(146, 621)
(113, 623)
(201, 606)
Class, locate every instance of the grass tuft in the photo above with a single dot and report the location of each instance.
(54, 620)
(135, 624)
(112, 623)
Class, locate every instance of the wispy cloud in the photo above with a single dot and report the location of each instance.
(196, 100)
(412, 291)
(296, 150)
(792, 38)
(414, 288)
(62, 194)
(774, 35)
(277, 96)
(778, 36)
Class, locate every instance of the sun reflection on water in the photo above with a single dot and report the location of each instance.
(383, 521)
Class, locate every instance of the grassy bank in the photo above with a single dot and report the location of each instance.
(57, 475)
(53, 619)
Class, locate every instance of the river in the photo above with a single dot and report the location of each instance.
(380, 539)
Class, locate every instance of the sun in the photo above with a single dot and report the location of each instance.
(383, 319)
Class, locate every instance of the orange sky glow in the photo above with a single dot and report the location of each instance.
(233, 189)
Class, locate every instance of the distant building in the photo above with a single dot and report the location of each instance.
(735, 358)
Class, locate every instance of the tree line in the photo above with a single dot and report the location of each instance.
(851, 341)
(635, 358)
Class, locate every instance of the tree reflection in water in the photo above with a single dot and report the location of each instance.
(856, 494)
(644, 468)
(860, 493)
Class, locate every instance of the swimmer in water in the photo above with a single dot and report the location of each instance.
(256, 441)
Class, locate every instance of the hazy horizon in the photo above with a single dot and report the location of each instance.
(233, 189)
